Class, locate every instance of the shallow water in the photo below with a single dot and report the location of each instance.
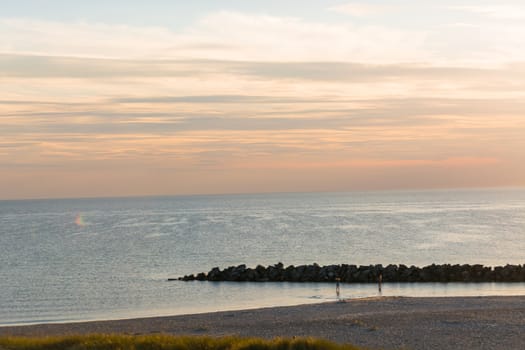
(79, 259)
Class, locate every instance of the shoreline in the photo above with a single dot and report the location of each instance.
(492, 322)
(311, 293)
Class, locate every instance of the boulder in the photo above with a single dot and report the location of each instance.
(363, 274)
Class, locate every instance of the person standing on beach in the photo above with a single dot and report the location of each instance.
(379, 280)
(337, 290)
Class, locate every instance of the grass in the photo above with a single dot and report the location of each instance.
(164, 342)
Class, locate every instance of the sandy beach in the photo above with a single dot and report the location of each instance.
(386, 323)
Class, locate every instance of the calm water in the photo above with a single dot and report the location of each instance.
(81, 259)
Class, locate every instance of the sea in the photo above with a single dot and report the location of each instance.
(67, 260)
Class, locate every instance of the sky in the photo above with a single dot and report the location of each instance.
(159, 97)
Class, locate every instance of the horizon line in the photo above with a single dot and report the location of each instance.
(391, 190)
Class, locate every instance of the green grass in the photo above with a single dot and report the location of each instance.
(164, 342)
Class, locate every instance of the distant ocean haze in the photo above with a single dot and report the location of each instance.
(79, 259)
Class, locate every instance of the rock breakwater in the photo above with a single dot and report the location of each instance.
(362, 274)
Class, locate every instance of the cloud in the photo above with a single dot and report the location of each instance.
(33, 67)
(271, 38)
(244, 92)
(500, 11)
(360, 9)
(81, 39)
(219, 36)
(206, 99)
(237, 36)
(37, 66)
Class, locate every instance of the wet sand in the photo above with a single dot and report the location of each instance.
(382, 323)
